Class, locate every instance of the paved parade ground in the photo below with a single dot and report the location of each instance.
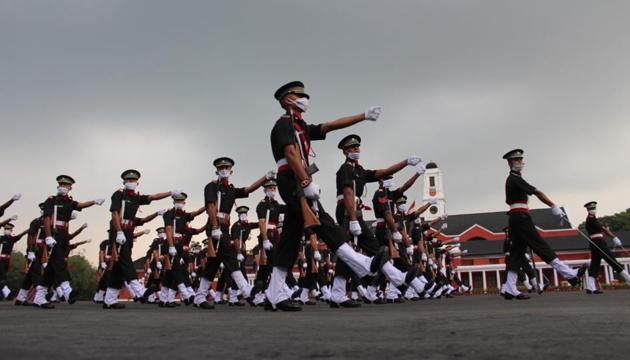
(554, 325)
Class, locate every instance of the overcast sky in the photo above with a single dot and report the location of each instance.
(90, 88)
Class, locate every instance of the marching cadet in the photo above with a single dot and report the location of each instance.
(6, 205)
(291, 146)
(57, 215)
(125, 205)
(526, 273)
(240, 233)
(268, 211)
(7, 241)
(220, 196)
(522, 228)
(154, 266)
(177, 237)
(599, 249)
(35, 249)
(351, 181)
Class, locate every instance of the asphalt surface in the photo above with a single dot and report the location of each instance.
(555, 325)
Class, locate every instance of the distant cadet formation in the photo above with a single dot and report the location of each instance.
(344, 261)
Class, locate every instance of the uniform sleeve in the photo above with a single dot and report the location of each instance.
(344, 177)
(103, 245)
(75, 206)
(49, 207)
(523, 185)
(138, 221)
(594, 225)
(315, 132)
(189, 217)
(234, 231)
(282, 134)
(116, 201)
(380, 202)
(261, 211)
(144, 200)
(240, 193)
(210, 193)
(370, 176)
(33, 228)
(168, 218)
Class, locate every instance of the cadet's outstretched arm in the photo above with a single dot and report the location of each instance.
(341, 123)
(381, 173)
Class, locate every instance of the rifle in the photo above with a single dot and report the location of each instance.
(314, 247)
(393, 250)
(114, 257)
(308, 212)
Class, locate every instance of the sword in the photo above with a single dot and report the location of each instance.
(565, 218)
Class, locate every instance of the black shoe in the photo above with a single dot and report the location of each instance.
(205, 305)
(161, 303)
(49, 297)
(381, 257)
(522, 297)
(284, 305)
(238, 303)
(18, 303)
(545, 286)
(45, 306)
(308, 302)
(594, 292)
(73, 297)
(115, 306)
(346, 304)
(190, 300)
(582, 270)
(411, 274)
(170, 305)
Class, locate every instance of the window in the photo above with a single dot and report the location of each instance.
(432, 181)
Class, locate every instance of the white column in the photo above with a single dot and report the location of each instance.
(555, 278)
(540, 274)
(470, 283)
(606, 274)
(498, 280)
(485, 285)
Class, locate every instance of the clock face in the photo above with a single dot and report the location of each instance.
(433, 209)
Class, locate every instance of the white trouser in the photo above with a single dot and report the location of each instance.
(152, 298)
(171, 295)
(564, 270)
(66, 289)
(326, 293)
(339, 290)
(40, 295)
(164, 294)
(99, 295)
(391, 293)
(202, 290)
(359, 263)
(22, 295)
(275, 291)
(135, 288)
(590, 284)
(625, 276)
(510, 284)
(241, 282)
(392, 274)
(111, 296)
(304, 295)
(183, 290)
(259, 298)
(410, 293)
(233, 295)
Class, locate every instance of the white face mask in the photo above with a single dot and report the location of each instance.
(518, 167)
(7, 232)
(592, 212)
(242, 217)
(270, 194)
(388, 184)
(302, 103)
(62, 190)
(354, 156)
(418, 221)
(224, 174)
(402, 207)
(178, 206)
(131, 185)
(162, 236)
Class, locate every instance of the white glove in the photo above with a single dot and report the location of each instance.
(146, 231)
(44, 265)
(527, 257)
(172, 251)
(161, 212)
(373, 113)
(221, 266)
(271, 174)
(421, 169)
(14, 217)
(193, 274)
(444, 226)
(557, 211)
(158, 265)
(317, 256)
(120, 238)
(30, 256)
(84, 226)
(149, 271)
(397, 237)
(240, 257)
(103, 265)
(312, 191)
(444, 217)
(616, 242)
(424, 257)
(355, 227)
(410, 250)
(330, 271)
(304, 265)
(413, 160)
(99, 201)
(177, 191)
(216, 234)
(267, 245)
(16, 197)
(464, 252)
(50, 241)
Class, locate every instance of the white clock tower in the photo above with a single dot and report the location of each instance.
(434, 189)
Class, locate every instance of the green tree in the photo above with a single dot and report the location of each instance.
(616, 222)
(15, 274)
